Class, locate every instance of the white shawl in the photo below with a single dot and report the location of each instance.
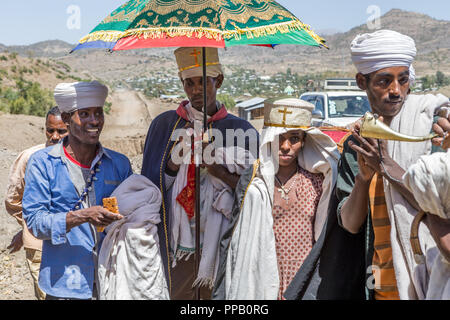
(251, 269)
(429, 181)
(415, 118)
(130, 265)
(216, 202)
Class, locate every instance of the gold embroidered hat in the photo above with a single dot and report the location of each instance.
(288, 113)
(190, 59)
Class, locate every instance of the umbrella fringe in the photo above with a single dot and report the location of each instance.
(160, 33)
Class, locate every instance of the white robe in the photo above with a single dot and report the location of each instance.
(251, 269)
(130, 265)
(415, 118)
(429, 181)
(216, 204)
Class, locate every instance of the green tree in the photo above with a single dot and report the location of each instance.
(227, 100)
(440, 79)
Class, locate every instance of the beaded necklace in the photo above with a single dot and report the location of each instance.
(88, 187)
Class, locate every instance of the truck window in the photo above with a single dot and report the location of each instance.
(348, 106)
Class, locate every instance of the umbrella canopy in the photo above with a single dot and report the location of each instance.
(199, 23)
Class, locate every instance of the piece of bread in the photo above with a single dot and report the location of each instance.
(111, 205)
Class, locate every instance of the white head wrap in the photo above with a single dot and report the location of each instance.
(80, 95)
(383, 49)
(318, 155)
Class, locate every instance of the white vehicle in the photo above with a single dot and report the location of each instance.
(337, 108)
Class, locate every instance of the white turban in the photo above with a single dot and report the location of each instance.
(80, 95)
(382, 49)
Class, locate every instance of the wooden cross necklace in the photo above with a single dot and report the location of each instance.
(282, 190)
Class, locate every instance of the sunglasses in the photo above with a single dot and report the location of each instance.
(60, 131)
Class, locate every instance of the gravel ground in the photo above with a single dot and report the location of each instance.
(15, 279)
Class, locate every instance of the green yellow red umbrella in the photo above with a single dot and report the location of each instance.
(199, 23)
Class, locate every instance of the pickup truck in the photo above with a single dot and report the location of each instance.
(337, 108)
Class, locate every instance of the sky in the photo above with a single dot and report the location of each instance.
(23, 22)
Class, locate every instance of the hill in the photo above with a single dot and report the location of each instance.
(432, 40)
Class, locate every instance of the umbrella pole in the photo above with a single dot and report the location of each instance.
(197, 227)
(197, 180)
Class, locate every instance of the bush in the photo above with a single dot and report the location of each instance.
(227, 100)
(107, 107)
(29, 98)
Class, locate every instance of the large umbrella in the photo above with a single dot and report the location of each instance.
(199, 23)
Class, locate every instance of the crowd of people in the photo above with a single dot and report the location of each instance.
(284, 214)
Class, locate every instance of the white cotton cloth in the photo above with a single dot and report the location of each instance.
(381, 49)
(439, 286)
(251, 264)
(415, 118)
(130, 265)
(429, 181)
(252, 269)
(215, 207)
(80, 95)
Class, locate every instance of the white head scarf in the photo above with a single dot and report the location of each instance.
(318, 155)
(80, 95)
(383, 49)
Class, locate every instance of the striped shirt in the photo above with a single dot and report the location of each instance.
(383, 268)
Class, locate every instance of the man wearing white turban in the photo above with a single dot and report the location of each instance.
(65, 185)
(373, 199)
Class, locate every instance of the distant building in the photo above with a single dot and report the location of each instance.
(251, 109)
(168, 97)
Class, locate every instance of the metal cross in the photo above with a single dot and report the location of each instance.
(284, 112)
(284, 194)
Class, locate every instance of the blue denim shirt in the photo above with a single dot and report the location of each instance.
(67, 267)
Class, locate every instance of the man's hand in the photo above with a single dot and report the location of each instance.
(442, 128)
(369, 159)
(100, 217)
(170, 163)
(97, 216)
(16, 242)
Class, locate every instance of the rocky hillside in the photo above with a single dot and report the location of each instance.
(432, 39)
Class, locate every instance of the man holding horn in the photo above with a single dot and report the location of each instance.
(373, 198)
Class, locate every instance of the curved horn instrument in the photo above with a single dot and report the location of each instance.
(371, 127)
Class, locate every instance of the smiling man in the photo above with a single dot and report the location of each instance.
(161, 167)
(373, 199)
(65, 185)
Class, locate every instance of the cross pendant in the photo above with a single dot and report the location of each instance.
(284, 194)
